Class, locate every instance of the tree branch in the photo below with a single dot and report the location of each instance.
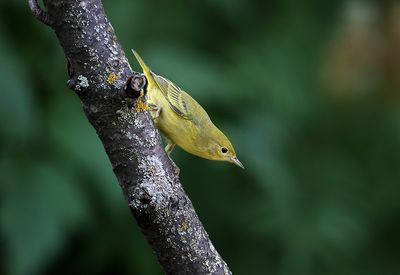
(101, 76)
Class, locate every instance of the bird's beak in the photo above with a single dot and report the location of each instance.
(236, 161)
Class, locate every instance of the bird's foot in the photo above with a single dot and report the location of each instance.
(155, 110)
(177, 170)
(170, 146)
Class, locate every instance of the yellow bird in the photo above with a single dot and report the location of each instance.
(183, 121)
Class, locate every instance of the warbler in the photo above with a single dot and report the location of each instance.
(183, 121)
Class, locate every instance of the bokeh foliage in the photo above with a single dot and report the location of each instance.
(308, 91)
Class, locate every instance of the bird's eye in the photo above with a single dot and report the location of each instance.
(224, 150)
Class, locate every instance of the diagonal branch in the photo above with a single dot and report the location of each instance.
(99, 72)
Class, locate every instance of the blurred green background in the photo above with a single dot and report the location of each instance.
(308, 92)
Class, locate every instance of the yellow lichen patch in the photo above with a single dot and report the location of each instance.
(184, 226)
(141, 104)
(112, 77)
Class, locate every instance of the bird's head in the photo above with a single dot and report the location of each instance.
(220, 148)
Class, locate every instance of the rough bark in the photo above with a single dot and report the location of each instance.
(99, 72)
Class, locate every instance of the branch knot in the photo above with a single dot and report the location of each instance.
(135, 84)
(78, 84)
(40, 14)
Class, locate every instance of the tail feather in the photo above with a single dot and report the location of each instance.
(145, 68)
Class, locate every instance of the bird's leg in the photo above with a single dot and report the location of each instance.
(170, 146)
(168, 149)
(176, 168)
(154, 111)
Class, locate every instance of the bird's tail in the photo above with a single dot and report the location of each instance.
(145, 68)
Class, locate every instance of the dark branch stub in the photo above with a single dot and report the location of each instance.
(100, 74)
(134, 85)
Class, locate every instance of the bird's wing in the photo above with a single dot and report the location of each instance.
(175, 96)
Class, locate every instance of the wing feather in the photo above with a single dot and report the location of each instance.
(174, 95)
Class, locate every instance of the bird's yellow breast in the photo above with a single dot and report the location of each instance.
(183, 132)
